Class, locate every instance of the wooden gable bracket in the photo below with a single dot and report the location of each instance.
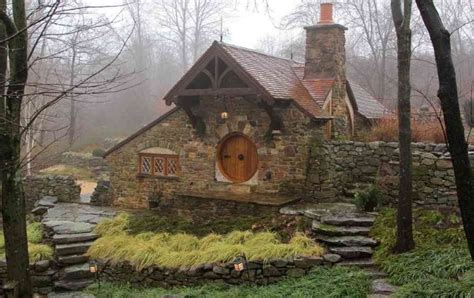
(196, 121)
(276, 123)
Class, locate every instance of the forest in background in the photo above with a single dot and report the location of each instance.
(123, 58)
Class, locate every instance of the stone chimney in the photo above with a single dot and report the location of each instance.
(326, 59)
(325, 47)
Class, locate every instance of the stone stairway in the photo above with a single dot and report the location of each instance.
(347, 235)
(73, 263)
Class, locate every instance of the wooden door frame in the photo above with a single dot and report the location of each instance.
(219, 157)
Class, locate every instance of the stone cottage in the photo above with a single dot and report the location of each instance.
(242, 126)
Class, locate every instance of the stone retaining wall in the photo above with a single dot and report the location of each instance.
(42, 276)
(258, 273)
(336, 168)
(62, 187)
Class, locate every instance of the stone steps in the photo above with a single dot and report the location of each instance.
(72, 260)
(73, 238)
(353, 252)
(348, 220)
(72, 248)
(74, 285)
(375, 273)
(361, 263)
(76, 272)
(329, 230)
(348, 241)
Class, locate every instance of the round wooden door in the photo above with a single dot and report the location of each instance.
(237, 158)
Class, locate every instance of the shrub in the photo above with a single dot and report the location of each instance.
(98, 152)
(177, 250)
(387, 130)
(369, 199)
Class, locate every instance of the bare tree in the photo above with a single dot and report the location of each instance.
(448, 95)
(402, 21)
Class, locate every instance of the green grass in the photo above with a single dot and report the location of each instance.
(322, 282)
(36, 250)
(440, 264)
(185, 250)
(65, 170)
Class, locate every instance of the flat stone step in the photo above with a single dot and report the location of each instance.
(76, 272)
(348, 241)
(73, 238)
(359, 221)
(330, 230)
(361, 263)
(75, 285)
(69, 227)
(72, 259)
(382, 287)
(72, 249)
(353, 252)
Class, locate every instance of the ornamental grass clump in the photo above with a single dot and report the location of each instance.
(184, 250)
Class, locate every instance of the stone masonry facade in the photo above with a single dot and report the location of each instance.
(339, 167)
(282, 157)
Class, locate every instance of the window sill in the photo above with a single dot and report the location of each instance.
(145, 176)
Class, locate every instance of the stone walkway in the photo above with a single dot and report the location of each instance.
(70, 227)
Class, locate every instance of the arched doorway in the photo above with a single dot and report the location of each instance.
(237, 157)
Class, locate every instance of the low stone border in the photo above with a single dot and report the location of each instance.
(258, 273)
(42, 276)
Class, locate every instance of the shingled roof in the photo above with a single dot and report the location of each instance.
(284, 79)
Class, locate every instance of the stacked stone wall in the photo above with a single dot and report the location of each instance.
(62, 187)
(336, 168)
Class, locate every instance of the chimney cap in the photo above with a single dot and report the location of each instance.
(326, 16)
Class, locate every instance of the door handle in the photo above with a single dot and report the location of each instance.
(241, 157)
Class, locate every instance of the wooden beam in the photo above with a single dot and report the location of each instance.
(217, 92)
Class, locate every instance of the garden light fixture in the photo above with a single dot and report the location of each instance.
(240, 263)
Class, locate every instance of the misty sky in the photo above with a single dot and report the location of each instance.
(248, 25)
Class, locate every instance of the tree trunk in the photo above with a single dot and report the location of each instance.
(404, 241)
(13, 201)
(448, 95)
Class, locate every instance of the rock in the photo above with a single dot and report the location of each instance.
(361, 263)
(74, 285)
(42, 266)
(353, 252)
(332, 258)
(363, 221)
(70, 295)
(348, 241)
(296, 272)
(73, 238)
(220, 270)
(72, 259)
(75, 272)
(315, 213)
(308, 262)
(271, 271)
(381, 286)
(47, 201)
(40, 210)
(41, 281)
(280, 263)
(339, 230)
(72, 249)
(292, 211)
(69, 227)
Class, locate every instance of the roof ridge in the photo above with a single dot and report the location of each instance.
(256, 51)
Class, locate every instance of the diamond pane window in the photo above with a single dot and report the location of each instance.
(159, 162)
(145, 165)
(172, 167)
(160, 166)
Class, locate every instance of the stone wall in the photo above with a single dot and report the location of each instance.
(97, 165)
(337, 168)
(103, 194)
(282, 159)
(62, 187)
(42, 276)
(258, 273)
